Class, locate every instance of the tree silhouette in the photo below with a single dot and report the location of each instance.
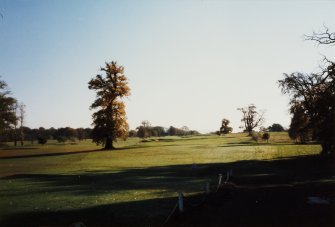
(225, 129)
(110, 119)
(7, 104)
(251, 118)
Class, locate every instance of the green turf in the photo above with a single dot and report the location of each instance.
(139, 180)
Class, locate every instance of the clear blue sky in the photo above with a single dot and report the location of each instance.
(188, 62)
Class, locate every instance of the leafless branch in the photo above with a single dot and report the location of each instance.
(322, 38)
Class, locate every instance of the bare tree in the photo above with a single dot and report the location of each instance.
(21, 118)
(146, 124)
(14, 110)
(251, 118)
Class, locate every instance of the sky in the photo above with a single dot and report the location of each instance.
(189, 62)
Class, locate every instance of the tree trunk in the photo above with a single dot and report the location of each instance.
(21, 136)
(15, 137)
(109, 144)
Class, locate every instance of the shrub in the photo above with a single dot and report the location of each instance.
(61, 139)
(266, 136)
(42, 140)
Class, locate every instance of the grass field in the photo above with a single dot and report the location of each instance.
(137, 184)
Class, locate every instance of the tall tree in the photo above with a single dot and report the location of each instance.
(110, 118)
(225, 128)
(251, 118)
(316, 94)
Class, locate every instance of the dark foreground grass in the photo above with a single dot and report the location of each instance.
(267, 193)
(137, 185)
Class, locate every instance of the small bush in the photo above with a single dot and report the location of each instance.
(42, 140)
(266, 136)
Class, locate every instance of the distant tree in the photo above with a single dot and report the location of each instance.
(34, 135)
(173, 131)
(276, 128)
(314, 94)
(110, 119)
(251, 118)
(185, 130)
(15, 123)
(26, 133)
(266, 136)
(88, 133)
(60, 135)
(193, 132)
(71, 133)
(52, 133)
(132, 133)
(42, 136)
(144, 130)
(21, 118)
(81, 134)
(225, 128)
(158, 131)
(42, 140)
(146, 123)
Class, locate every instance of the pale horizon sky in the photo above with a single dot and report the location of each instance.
(190, 62)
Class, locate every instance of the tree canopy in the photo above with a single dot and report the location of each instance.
(109, 120)
(7, 108)
(275, 127)
(225, 128)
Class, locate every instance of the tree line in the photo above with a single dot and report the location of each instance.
(41, 135)
(146, 130)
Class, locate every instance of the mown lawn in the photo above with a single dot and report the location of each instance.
(137, 184)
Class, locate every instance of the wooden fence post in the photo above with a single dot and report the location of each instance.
(180, 202)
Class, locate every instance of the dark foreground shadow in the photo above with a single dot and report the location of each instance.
(266, 193)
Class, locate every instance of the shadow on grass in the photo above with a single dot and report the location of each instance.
(49, 154)
(251, 143)
(20, 148)
(268, 193)
(75, 152)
